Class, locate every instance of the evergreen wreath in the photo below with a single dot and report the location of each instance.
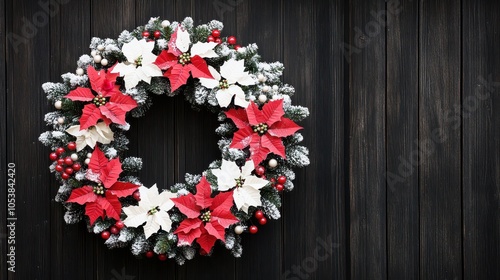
(259, 139)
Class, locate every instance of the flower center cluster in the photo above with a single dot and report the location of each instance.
(154, 210)
(185, 58)
(99, 189)
(138, 61)
(223, 84)
(99, 100)
(261, 128)
(205, 216)
(239, 182)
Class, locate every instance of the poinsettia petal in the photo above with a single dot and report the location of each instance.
(82, 195)
(206, 241)
(239, 96)
(114, 112)
(178, 76)
(187, 205)
(255, 116)
(125, 102)
(136, 215)
(199, 68)
(245, 196)
(123, 69)
(203, 49)
(163, 219)
(182, 41)
(242, 138)
(98, 161)
(247, 169)
(132, 50)
(93, 210)
(232, 70)
(273, 110)
(166, 60)
(216, 230)
(188, 224)
(274, 144)
(257, 152)
(75, 130)
(224, 97)
(110, 173)
(96, 78)
(123, 189)
(222, 204)
(239, 117)
(151, 70)
(111, 205)
(255, 182)
(80, 94)
(151, 227)
(222, 214)
(90, 115)
(187, 238)
(212, 82)
(203, 192)
(283, 128)
(166, 202)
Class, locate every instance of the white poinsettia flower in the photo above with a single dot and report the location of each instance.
(152, 210)
(139, 65)
(246, 186)
(205, 50)
(231, 72)
(89, 137)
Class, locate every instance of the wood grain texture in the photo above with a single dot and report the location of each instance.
(402, 139)
(440, 168)
(367, 154)
(3, 141)
(481, 140)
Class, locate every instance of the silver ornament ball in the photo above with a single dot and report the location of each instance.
(238, 229)
(58, 104)
(104, 62)
(272, 163)
(80, 72)
(74, 157)
(97, 59)
(262, 98)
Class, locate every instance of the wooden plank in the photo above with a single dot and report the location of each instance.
(481, 139)
(367, 163)
(314, 229)
(25, 111)
(67, 45)
(402, 139)
(440, 173)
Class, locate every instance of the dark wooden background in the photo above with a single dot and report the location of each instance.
(403, 83)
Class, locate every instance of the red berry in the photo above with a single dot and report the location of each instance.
(282, 179)
(60, 161)
(237, 47)
(216, 33)
(59, 168)
(253, 229)
(114, 230)
(137, 195)
(258, 214)
(105, 234)
(76, 166)
(218, 40)
(279, 187)
(72, 146)
(53, 156)
(273, 181)
(68, 161)
(157, 34)
(260, 170)
(59, 151)
(162, 257)
(231, 40)
(68, 170)
(263, 221)
(119, 224)
(149, 254)
(145, 34)
(210, 38)
(65, 176)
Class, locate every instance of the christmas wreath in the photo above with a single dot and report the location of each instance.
(259, 139)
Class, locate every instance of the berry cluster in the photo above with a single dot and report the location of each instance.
(215, 37)
(115, 229)
(66, 160)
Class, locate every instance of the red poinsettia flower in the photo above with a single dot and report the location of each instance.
(108, 103)
(101, 199)
(207, 217)
(180, 61)
(262, 130)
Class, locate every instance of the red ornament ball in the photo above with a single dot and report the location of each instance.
(263, 221)
(210, 38)
(253, 229)
(218, 40)
(145, 34)
(119, 224)
(72, 146)
(53, 156)
(68, 161)
(216, 33)
(279, 187)
(137, 195)
(65, 176)
(68, 170)
(105, 234)
(258, 214)
(260, 170)
(60, 161)
(162, 257)
(157, 34)
(149, 254)
(59, 151)
(282, 179)
(237, 47)
(59, 168)
(76, 166)
(114, 230)
(231, 40)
